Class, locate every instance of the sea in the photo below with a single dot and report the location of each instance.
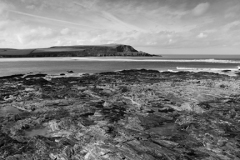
(55, 66)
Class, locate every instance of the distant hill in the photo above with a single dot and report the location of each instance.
(75, 51)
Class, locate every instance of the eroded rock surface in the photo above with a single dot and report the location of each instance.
(130, 114)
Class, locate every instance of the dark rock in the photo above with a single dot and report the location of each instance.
(225, 71)
(16, 76)
(130, 114)
(70, 71)
(35, 76)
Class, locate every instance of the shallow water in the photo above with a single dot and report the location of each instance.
(10, 66)
(4, 111)
(37, 132)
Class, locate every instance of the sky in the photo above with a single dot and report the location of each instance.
(155, 26)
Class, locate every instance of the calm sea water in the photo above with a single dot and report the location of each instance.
(10, 66)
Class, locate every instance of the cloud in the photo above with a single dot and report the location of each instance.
(3, 24)
(202, 35)
(33, 35)
(65, 31)
(52, 19)
(120, 23)
(162, 23)
(3, 7)
(31, 7)
(85, 4)
(232, 12)
(235, 25)
(200, 9)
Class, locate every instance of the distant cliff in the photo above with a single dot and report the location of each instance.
(75, 51)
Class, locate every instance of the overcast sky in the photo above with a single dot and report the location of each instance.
(151, 25)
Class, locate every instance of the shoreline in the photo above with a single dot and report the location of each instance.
(95, 65)
(121, 59)
(227, 71)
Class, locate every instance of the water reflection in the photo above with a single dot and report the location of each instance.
(37, 132)
(5, 111)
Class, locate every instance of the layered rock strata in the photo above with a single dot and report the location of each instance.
(130, 114)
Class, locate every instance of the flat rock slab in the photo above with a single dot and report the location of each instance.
(130, 114)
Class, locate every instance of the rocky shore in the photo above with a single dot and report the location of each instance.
(124, 115)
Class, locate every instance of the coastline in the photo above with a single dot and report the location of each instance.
(120, 59)
(121, 114)
(225, 71)
(95, 65)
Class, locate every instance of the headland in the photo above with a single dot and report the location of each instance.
(75, 51)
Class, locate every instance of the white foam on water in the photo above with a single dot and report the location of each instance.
(232, 71)
(116, 59)
(211, 69)
(157, 60)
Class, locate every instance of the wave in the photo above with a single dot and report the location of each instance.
(209, 69)
(35, 59)
(117, 59)
(157, 60)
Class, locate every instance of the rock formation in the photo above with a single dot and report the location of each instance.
(130, 114)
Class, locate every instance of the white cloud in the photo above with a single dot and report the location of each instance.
(232, 12)
(202, 35)
(65, 31)
(200, 9)
(33, 35)
(86, 3)
(106, 21)
(3, 23)
(231, 26)
(31, 7)
(121, 25)
(3, 7)
(52, 19)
